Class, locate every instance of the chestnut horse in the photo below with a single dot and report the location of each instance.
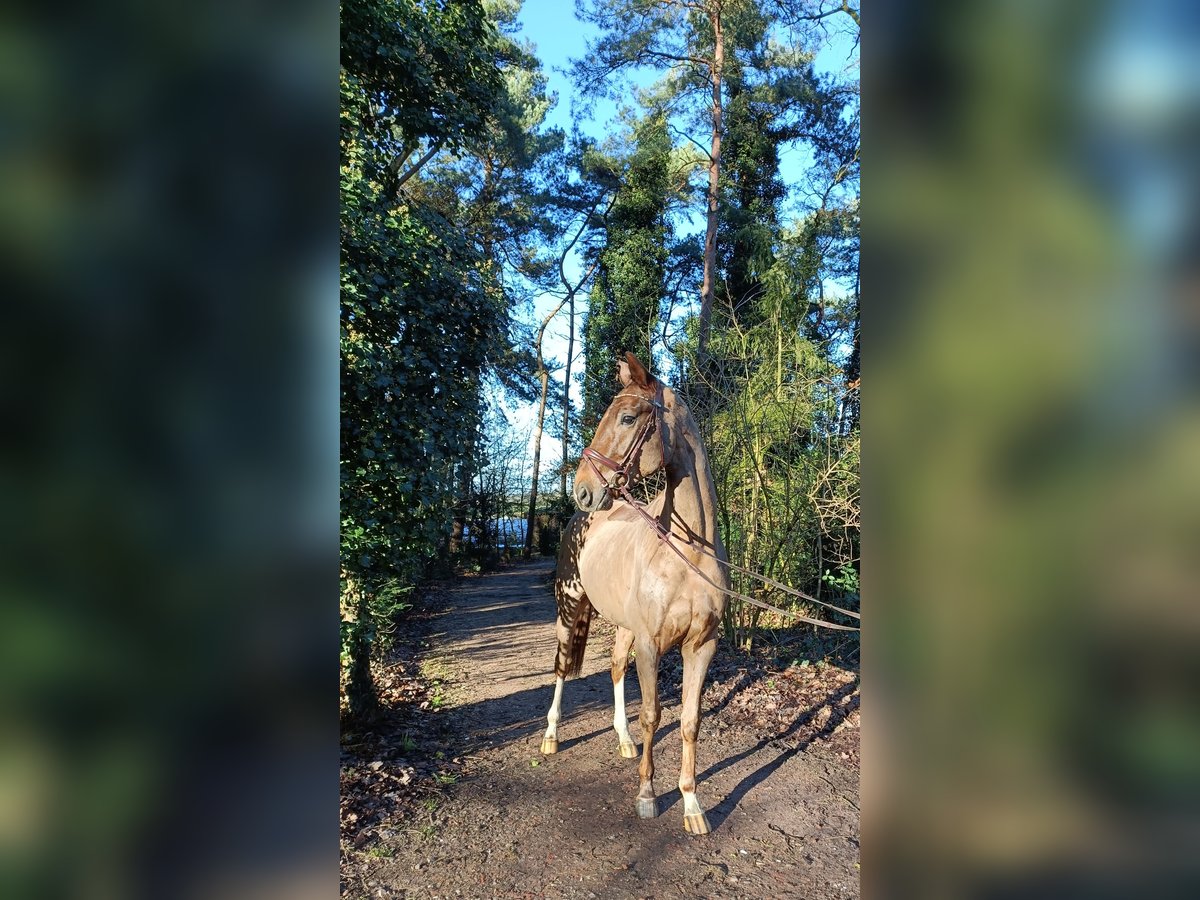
(612, 562)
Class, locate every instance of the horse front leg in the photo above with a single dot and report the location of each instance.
(620, 662)
(647, 669)
(550, 739)
(695, 667)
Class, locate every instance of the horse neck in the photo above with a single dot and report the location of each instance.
(690, 485)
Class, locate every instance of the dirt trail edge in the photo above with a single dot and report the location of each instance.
(781, 792)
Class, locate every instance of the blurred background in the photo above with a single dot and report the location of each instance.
(168, 490)
(1032, 450)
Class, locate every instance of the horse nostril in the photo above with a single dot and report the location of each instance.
(583, 495)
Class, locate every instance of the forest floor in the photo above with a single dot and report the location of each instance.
(447, 794)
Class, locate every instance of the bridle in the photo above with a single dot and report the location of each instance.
(626, 470)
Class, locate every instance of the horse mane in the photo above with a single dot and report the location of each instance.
(688, 428)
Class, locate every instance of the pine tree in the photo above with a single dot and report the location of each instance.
(625, 304)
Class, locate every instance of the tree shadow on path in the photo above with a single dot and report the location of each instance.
(509, 617)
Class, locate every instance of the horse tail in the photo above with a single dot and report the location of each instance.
(579, 636)
(571, 662)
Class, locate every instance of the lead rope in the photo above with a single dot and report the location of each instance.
(665, 536)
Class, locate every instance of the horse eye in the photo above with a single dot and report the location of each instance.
(627, 420)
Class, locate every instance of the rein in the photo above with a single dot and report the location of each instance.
(624, 476)
(665, 536)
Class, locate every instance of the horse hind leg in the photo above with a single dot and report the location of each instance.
(620, 662)
(695, 667)
(571, 629)
(550, 738)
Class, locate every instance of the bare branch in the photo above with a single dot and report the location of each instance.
(842, 7)
(694, 60)
(682, 134)
(562, 260)
(416, 167)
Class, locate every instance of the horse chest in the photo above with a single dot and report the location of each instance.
(625, 584)
(608, 576)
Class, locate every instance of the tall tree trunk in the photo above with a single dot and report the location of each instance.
(544, 376)
(572, 290)
(708, 287)
(537, 446)
(562, 486)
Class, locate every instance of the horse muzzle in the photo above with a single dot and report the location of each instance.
(590, 500)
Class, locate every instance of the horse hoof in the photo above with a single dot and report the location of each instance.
(549, 745)
(647, 807)
(696, 824)
(629, 751)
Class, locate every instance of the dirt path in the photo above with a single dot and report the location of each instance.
(780, 783)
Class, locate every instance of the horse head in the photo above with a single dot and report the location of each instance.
(630, 441)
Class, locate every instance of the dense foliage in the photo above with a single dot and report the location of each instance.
(770, 365)
(420, 319)
(460, 208)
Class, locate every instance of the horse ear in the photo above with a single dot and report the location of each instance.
(632, 371)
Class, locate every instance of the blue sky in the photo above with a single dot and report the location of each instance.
(559, 37)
